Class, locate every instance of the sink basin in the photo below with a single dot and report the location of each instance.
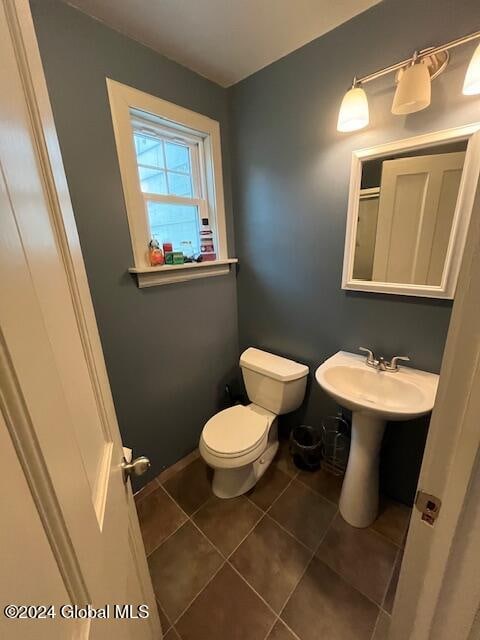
(373, 397)
(401, 395)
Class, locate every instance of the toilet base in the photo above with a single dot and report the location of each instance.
(230, 483)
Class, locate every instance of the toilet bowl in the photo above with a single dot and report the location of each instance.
(240, 442)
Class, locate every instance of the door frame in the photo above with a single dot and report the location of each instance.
(44, 136)
(438, 595)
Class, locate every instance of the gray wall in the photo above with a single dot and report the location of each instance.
(169, 350)
(290, 180)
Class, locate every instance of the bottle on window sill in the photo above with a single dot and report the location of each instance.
(207, 247)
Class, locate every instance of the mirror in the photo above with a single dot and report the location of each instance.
(410, 204)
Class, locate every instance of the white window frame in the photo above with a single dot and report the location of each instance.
(127, 103)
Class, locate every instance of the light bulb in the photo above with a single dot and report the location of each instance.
(413, 90)
(353, 113)
(471, 86)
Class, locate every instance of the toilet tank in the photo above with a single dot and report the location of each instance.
(274, 383)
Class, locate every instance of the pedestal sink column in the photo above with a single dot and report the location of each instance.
(359, 498)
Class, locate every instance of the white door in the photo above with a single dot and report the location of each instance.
(438, 596)
(56, 409)
(415, 213)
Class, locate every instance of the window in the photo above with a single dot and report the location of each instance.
(170, 163)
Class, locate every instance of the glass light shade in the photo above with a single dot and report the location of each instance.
(413, 90)
(471, 86)
(353, 113)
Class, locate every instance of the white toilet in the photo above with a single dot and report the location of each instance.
(240, 442)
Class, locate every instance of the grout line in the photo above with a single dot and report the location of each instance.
(380, 612)
(270, 629)
(198, 594)
(376, 625)
(291, 479)
(167, 538)
(317, 492)
(140, 495)
(293, 536)
(287, 600)
(159, 606)
(280, 495)
(384, 537)
(252, 588)
(399, 552)
(204, 535)
(204, 504)
(344, 579)
(262, 516)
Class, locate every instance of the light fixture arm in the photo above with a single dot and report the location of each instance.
(418, 55)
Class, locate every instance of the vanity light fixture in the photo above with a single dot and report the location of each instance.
(353, 113)
(471, 86)
(414, 89)
(413, 78)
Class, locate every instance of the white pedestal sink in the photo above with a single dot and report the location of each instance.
(373, 397)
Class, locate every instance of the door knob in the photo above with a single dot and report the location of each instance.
(136, 467)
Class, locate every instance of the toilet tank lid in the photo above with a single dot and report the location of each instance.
(272, 366)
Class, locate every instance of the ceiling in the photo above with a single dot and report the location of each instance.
(223, 40)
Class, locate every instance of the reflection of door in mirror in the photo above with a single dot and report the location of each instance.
(366, 233)
(415, 212)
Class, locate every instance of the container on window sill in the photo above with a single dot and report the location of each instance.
(167, 247)
(155, 254)
(207, 247)
(174, 257)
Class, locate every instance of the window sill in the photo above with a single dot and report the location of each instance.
(170, 274)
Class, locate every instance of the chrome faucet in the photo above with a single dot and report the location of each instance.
(380, 364)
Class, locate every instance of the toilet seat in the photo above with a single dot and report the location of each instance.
(236, 431)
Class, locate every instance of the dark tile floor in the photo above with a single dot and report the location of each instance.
(277, 564)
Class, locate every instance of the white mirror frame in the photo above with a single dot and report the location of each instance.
(461, 219)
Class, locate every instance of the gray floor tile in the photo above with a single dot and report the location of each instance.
(283, 459)
(393, 521)
(159, 516)
(271, 561)
(269, 487)
(227, 522)
(363, 557)
(324, 483)
(226, 608)
(191, 487)
(324, 606)
(304, 513)
(181, 567)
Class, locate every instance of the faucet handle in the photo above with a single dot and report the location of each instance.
(393, 366)
(370, 354)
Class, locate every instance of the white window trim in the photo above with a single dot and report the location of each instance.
(124, 99)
